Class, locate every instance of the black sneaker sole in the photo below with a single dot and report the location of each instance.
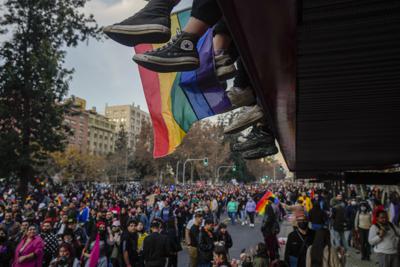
(163, 65)
(261, 154)
(237, 148)
(141, 34)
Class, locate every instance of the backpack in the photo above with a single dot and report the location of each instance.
(398, 236)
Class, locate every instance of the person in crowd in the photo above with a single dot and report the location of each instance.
(321, 253)
(155, 247)
(317, 217)
(223, 237)
(115, 238)
(129, 245)
(61, 225)
(261, 257)
(220, 257)
(29, 251)
(242, 210)
(173, 243)
(270, 229)
(251, 210)
(232, 208)
(50, 242)
(80, 235)
(10, 225)
(84, 213)
(206, 244)
(192, 238)
(181, 217)
(384, 237)
(298, 242)
(340, 224)
(65, 257)
(214, 209)
(141, 234)
(103, 234)
(362, 224)
(350, 213)
(6, 250)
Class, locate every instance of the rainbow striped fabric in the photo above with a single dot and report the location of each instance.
(264, 202)
(177, 100)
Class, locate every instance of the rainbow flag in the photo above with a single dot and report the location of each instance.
(177, 100)
(263, 202)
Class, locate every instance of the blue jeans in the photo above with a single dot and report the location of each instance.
(232, 216)
(243, 215)
(339, 239)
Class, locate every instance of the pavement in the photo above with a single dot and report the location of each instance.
(246, 238)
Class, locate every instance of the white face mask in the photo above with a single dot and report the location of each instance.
(363, 208)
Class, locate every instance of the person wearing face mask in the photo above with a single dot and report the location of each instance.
(362, 224)
(385, 236)
(298, 242)
(65, 257)
(50, 242)
(115, 238)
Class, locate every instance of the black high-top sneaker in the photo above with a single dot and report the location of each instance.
(150, 25)
(179, 54)
(258, 137)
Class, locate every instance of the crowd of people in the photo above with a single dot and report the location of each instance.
(127, 225)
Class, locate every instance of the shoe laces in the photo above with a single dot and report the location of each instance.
(170, 42)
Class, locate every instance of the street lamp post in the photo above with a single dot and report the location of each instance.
(184, 168)
(177, 172)
(219, 168)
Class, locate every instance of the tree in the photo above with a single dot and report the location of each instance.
(33, 81)
(121, 143)
(72, 164)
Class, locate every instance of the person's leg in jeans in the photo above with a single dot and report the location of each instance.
(344, 236)
(336, 239)
(180, 54)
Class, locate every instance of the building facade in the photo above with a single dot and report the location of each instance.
(130, 117)
(78, 121)
(101, 134)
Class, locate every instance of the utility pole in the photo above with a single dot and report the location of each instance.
(220, 167)
(184, 167)
(177, 172)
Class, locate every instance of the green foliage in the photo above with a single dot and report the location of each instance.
(121, 143)
(33, 81)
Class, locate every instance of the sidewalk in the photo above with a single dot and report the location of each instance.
(354, 259)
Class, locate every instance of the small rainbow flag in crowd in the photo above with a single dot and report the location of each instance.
(177, 100)
(263, 202)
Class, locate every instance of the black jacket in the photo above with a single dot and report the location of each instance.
(297, 245)
(206, 247)
(226, 238)
(155, 250)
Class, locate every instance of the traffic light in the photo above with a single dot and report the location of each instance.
(205, 162)
(234, 168)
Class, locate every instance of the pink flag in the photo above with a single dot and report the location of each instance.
(95, 254)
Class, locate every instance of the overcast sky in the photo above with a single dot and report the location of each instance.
(104, 71)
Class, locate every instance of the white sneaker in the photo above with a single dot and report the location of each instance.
(243, 223)
(252, 225)
(247, 118)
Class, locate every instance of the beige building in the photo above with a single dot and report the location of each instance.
(131, 117)
(101, 134)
